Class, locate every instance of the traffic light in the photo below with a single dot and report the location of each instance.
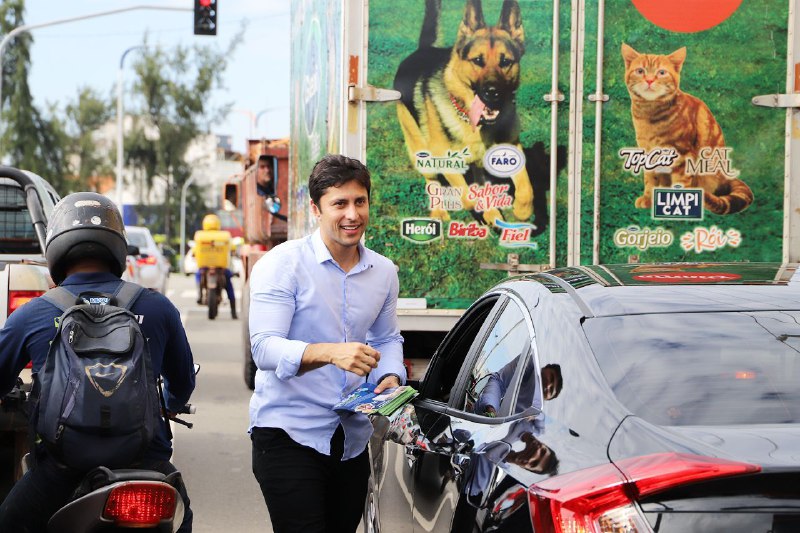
(205, 17)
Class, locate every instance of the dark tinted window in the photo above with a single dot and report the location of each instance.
(16, 229)
(703, 368)
(449, 357)
(492, 376)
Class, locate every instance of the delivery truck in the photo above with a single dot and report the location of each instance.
(512, 136)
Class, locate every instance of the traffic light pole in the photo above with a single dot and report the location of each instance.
(28, 27)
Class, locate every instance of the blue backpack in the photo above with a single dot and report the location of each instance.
(99, 400)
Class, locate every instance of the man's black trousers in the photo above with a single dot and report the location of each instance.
(306, 490)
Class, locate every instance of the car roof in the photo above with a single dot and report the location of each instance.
(608, 290)
(139, 229)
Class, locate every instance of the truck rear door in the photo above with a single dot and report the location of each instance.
(681, 108)
(461, 163)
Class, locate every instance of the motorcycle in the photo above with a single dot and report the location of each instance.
(110, 500)
(212, 284)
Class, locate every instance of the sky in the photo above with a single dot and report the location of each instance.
(86, 53)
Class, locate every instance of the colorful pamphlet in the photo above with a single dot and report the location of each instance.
(364, 400)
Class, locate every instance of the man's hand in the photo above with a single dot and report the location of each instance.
(351, 356)
(387, 383)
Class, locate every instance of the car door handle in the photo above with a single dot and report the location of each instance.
(459, 462)
(413, 452)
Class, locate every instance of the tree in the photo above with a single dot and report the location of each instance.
(84, 117)
(31, 141)
(173, 108)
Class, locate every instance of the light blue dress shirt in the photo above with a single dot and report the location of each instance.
(299, 296)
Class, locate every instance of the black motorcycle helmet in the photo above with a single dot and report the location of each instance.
(85, 225)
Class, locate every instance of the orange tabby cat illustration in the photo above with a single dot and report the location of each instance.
(666, 117)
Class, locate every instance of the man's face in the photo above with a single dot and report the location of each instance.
(264, 174)
(343, 215)
(550, 383)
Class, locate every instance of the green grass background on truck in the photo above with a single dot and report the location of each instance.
(447, 271)
(725, 67)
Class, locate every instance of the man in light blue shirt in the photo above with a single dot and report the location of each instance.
(322, 320)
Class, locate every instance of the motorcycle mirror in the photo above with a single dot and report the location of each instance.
(273, 204)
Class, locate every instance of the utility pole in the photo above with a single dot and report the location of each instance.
(120, 127)
(183, 218)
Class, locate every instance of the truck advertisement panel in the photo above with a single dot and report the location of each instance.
(316, 101)
(461, 163)
(691, 169)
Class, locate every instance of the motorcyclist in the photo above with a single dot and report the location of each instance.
(212, 248)
(86, 251)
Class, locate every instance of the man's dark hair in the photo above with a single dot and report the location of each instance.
(334, 170)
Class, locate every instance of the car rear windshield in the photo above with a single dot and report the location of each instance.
(17, 235)
(137, 239)
(702, 368)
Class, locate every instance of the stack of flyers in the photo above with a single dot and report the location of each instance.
(364, 400)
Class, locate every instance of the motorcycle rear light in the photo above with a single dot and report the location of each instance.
(17, 299)
(149, 260)
(140, 504)
(602, 499)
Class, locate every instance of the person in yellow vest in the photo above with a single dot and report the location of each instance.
(213, 249)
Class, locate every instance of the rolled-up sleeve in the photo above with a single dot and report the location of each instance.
(273, 293)
(384, 335)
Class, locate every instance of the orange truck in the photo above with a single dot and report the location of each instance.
(263, 227)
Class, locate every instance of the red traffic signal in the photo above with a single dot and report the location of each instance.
(205, 17)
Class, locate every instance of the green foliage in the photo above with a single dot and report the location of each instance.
(29, 139)
(171, 109)
(84, 117)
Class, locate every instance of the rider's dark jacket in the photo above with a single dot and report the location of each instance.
(28, 331)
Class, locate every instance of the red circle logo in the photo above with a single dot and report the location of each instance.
(686, 16)
(688, 277)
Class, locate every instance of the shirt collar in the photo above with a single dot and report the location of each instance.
(322, 254)
(85, 278)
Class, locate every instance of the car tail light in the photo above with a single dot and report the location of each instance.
(601, 499)
(16, 299)
(149, 260)
(140, 504)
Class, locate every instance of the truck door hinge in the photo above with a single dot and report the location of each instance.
(777, 100)
(368, 93)
(513, 267)
(550, 98)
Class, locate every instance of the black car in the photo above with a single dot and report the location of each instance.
(618, 398)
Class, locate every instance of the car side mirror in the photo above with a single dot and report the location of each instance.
(133, 250)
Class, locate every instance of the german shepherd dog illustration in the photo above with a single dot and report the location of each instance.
(461, 100)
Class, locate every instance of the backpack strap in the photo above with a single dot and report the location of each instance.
(127, 294)
(60, 297)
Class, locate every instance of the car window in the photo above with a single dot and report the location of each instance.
(17, 235)
(683, 369)
(137, 239)
(449, 357)
(491, 378)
